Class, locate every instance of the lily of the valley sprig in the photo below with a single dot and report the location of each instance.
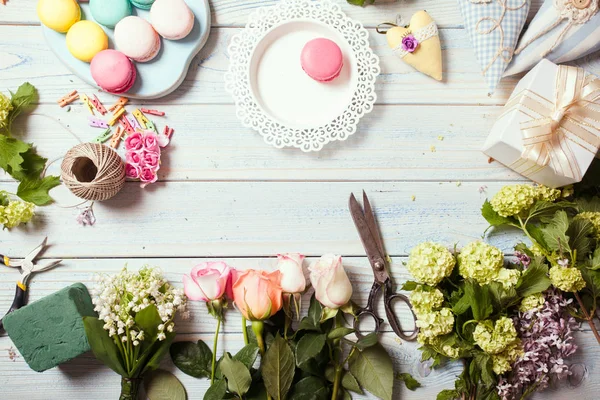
(300, 357)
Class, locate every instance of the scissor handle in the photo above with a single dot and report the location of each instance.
(18, 302)
(389, 298)
(368, 311)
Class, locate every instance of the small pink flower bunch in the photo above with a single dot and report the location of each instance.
(142, 156)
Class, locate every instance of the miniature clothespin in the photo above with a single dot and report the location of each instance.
(124, 122)
(116, 116)
(116, 137)
(153, 112)
(119, 104)
(151, 127)
(98, 105)
(104, 136)
(141, 118)
(68, 99)
(87, 103)
(168, 131)
(133, 122)
(97, 122)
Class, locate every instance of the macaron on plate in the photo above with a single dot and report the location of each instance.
(158, 72)
(307, 79)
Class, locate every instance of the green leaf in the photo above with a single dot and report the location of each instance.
(216, 391)
(339, 332)
(4, 199)
(480, 298)
(163, 385)
(32, 166)
(555, 232)
(148, 320)
(492, 217)
(25, 96)
(103, 347)
(580, 237)
(348, 380)
(448, 394)
(238, 376)
(410, 382)
(36, 190)
(312, 321)
(194, 359)
(368, 340)
(483, 362)
(595, 264)
(278, 368)
(309, 346)
(11, 151)
(374, 370)
(409, 286)
(257, 391)
(160, 349)
(247, 355)
(538, 235)
(534, 279)
(462, 305)
(310, 388)
(328, 313)
(543, 209)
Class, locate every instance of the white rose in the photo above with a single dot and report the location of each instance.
(332, 286)
(292, 276)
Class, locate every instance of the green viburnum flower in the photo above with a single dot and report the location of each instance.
(547, 194)
(5, 108)
(594, 218)
(514, 199)
(492, 337)
(507, 277)
(16, 213)
(430, 262)
(566, 279)
(480, 261)
(425, 301)
(434, 323)
(446, 349)
(532, 302)
(502, 362)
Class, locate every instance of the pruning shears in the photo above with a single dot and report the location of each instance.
(28, 267)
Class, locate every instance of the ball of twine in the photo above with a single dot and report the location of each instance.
(93, 171)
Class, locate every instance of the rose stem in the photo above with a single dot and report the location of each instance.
(245, 331)
(214, 354)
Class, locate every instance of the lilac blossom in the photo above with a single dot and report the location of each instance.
(547, 339)
(523, 258)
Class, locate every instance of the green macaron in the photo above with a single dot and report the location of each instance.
(109, 12)
(142, 4)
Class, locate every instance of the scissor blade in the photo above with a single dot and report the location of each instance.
(367, 239)
(34, 253)
(372, 223)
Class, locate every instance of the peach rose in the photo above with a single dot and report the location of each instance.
(258, 294)
(332, 286)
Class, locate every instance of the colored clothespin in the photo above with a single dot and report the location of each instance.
(116, 137)
(87, 103)
(98, 105)
(133, 122)
(104, 136)
(151, 127)
(168, 132)
(141, 118)
(97, 122)
(68, 99)
(124, 122)
(119, 104)
(153, 112)
(116, 117)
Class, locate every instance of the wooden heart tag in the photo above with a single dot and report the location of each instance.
(418, 44)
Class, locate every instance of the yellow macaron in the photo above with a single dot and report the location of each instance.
(85, 39)
(58, 15)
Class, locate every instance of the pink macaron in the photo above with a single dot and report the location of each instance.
(113, 71)
(172, 19)
(137, 39)
(322, 59)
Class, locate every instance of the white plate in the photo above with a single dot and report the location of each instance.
(274, 96)
(156, 78)
(282, 88)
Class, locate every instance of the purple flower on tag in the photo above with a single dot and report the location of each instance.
(409, 43)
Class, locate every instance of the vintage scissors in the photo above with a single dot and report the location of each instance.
(371, 240)
(28, 268)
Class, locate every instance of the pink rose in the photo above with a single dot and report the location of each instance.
(332, 286)
(150, 159)
(134, 141)
(209, 281)
(292, 275)
(133, 157)
(151, 142)
(133, 171)
(148, 175)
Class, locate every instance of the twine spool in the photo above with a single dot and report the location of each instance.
(93, 171)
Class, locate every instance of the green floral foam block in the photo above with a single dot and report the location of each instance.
(50, 331)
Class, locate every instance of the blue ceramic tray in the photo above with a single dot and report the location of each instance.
(156, 78)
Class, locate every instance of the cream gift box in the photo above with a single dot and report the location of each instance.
(549, 130)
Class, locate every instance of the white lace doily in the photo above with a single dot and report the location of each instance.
(237, 80)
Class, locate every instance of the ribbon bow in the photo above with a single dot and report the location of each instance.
(548, 138)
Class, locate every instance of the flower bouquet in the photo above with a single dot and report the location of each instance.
(142, 156)
(135, 325)
(310, 357)
(495, 316)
